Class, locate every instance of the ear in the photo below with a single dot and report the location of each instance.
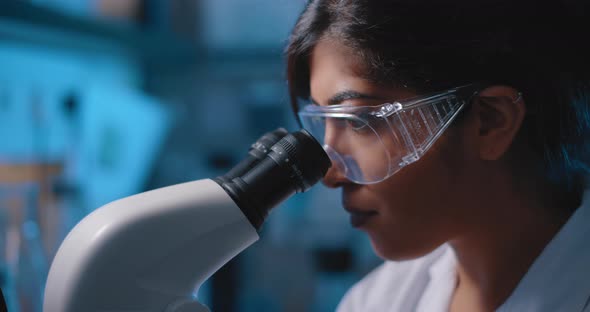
(499, 112)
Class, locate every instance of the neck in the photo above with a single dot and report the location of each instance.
(497, 251)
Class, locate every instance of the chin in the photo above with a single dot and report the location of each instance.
(396, 250)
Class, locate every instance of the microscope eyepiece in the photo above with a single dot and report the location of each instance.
(293, 165)
(262, 147)
(304, 156)
(257, 152)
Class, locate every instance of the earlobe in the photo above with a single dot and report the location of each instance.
(500, 112)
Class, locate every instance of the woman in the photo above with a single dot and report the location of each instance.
(458, 135)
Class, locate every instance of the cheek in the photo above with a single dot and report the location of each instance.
(419, 207)
(428, 186)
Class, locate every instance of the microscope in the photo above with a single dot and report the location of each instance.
(149, 252)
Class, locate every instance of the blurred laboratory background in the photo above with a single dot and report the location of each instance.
(101, 99)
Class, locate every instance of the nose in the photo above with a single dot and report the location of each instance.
(335, 177)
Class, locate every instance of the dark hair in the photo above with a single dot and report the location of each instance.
(537, 48)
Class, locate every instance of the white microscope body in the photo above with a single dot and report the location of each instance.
(151, 251)
(141, 253)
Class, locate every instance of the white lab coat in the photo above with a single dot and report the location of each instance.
(558, 280)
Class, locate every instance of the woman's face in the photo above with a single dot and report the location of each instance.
(418, 208)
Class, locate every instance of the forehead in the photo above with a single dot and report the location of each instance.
(335, 68)
(334, 52)
(332, 63)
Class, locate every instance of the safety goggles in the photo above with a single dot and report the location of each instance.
(368, 144)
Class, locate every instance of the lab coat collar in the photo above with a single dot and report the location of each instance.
(559, 279)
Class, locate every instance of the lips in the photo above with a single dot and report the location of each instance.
(359, 217)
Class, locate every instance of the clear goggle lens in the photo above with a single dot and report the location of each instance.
(370, 144)
(355, 146)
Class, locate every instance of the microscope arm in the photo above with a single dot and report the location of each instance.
(148, 252)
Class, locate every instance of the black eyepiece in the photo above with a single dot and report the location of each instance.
(261, 147)
(293, 165)
(257, 152)
(304, 156)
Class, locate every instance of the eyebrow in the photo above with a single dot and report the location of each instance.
(342, 96)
